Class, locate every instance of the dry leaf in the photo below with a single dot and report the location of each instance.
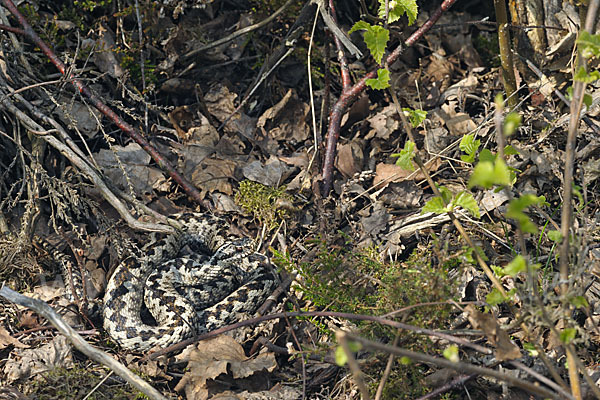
(213, 357)
(7, 340)
(505, 348)
(350, 158)
(286, 120)
(394, 173)
(213, 175)
(22, 364)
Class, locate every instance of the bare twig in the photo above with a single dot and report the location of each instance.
(567, 209)
(99, 356)
(506, 58)
(239, 32)
(354, 367)
(459, 366)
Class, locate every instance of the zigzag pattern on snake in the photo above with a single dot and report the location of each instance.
(192, 282)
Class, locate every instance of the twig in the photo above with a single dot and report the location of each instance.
(162, 162)
(350, 95)
(506, 58)
(341, 336)
(100, 357)
(567, 209)
(359, 317)
(239, 32)
(459, 366)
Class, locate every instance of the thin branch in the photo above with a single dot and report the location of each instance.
(80, 344)
(459, 366)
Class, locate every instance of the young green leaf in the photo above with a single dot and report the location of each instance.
(340, 356)
(467, 201)
(494, 297)
(487, 174)
(567, 335)
(555, 236)
(580, 302)
(469, 145)
(518, 205)
(382, 81)
(415, 116)
(510, 151)
(451, 353)
(588, 77)
(434, 205)
(486, 155)
(588, 44)
(397, 8)
(405, 156)
(375, 37)
(516, 266)
(511, 123)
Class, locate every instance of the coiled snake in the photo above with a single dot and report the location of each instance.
(193, 281)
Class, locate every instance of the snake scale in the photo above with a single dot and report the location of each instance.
(193, 281)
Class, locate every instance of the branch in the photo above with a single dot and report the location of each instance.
(80, 344)
(349, 95)
(103, 108)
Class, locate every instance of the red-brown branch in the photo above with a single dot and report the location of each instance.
(163, 163)
(349, 95)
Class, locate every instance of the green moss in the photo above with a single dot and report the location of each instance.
(263, 202)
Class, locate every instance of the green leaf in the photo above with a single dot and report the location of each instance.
(451, 353)
(487, 174)
(375, 37)
(397, 8)
(518, 205)
(588, 77)
(405, 156)
(510, 151)
(579, 302)
(567, 335)
(494, 297)
(531, 349)
(511, 123)
(469, 145)
(360, 26)
(340, 356)
(382, 81)
(516, 266)
(487, 155)
(467, 201)
(435, 205)
(555, 236)
(587, 99)
(415, 116)
(405, 360)
(588, 44)
(446, 194)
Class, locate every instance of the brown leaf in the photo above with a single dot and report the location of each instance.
(286, 120)
(213, 357)
(213, 175)
(7, 340)
(350, 158)
(505, 348)
(393, 173)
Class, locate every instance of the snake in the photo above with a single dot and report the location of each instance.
(193, 281)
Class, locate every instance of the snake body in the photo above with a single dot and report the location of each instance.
(192, 282)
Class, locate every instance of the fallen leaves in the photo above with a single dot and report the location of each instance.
(215, 357)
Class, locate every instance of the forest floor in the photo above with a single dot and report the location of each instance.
(237, 120)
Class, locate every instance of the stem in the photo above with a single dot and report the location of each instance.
(506, 59)
(350, 94)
